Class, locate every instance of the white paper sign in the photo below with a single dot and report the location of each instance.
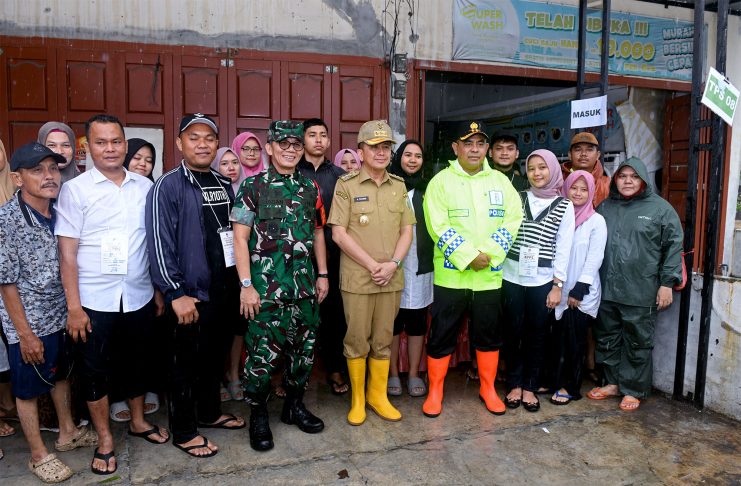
(529, 261)
(589, 113)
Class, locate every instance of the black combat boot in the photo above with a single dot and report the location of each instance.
(261, 438)
(294, 412)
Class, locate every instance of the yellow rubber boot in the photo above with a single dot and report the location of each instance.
(488, 362)
(377, 382)
(356, 370)
(437, 368)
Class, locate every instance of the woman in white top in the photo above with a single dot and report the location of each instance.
(534, 272)
(582, 290)
(417, 293)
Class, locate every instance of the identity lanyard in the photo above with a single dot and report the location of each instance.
(225, 233)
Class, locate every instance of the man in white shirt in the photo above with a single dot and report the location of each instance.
(105, 273)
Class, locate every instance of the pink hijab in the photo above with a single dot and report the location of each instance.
(217, 160)
(341, 153)
(553, 188)
(237, 149)
(585, 211)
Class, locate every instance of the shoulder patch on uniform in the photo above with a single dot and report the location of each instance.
(394, 176)
(349, 175)
(343, 195)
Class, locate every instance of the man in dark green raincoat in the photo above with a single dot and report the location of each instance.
(642, 262)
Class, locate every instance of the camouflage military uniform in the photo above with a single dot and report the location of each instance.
(283, 211)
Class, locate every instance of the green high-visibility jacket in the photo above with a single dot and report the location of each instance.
(468, 214)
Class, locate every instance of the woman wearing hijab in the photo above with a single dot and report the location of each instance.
(227, 164)
(251, 155)
(582, 291)
(140, 157)
(348, 160)
(417, 293)
(61, 140)
(534, 273)
(7, 407)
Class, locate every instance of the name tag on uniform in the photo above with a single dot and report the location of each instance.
(496, 198)
(227, 244)
(114, 253)
(529, 261)
(457, 213)
(360, 199)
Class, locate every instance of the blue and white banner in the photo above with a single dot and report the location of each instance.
(545, 35)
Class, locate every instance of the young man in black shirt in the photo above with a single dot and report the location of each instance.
(332, 327)
(504, 154)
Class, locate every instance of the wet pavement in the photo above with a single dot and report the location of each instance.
(585, 442)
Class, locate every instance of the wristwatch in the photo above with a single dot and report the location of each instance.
(246, 283)
(397, 261)
(558, 284)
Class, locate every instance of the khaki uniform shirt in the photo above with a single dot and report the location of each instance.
(373, 216)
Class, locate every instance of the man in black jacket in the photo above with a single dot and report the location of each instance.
(191, 254)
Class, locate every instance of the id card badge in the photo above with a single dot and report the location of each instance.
(227, 244)
(529, 261)
(114, 253)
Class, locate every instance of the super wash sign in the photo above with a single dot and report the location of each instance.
(546, 35)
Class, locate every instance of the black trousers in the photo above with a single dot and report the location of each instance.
(332, 324)
(119, 350)
(198, 354)
(526, 330)
(449, 305)
(570, 339)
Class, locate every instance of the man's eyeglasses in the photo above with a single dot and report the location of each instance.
(284, 144)
(251, 150)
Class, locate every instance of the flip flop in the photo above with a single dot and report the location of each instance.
(6, 430)
(416, 382)
(221, 424)
(197, 446)
(334, 385)
(393, 387)
(107, 459)
(635, 403)
(596, 393)
(146, 435)
(532, 407)
(561, 395)
(9, 414)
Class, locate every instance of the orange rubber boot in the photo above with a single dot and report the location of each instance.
(488, 361)
(436, 371)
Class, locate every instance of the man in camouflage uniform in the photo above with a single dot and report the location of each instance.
(278, 219)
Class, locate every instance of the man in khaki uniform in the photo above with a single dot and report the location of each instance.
(372, 224)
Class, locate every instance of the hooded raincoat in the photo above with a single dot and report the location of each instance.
(644, 244)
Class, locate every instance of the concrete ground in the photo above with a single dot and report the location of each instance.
(586, 442)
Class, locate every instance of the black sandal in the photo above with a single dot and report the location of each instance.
(221, 424)
(513, 403)
(146, 435)
(187, 449)
(532, 407)
(107, 459)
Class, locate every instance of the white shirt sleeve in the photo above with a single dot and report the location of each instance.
(69, 213)
(596, 251)
(564, 239)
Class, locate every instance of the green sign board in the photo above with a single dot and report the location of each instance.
(720, 96)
